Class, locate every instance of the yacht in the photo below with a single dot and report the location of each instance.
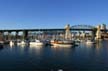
(21, 42)
(66, 41)
(90, 42)
(11, 43)
(63, 43)
(36, 43)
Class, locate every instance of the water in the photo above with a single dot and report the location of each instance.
(80, 58)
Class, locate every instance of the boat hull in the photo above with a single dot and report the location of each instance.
(21, 43)
(36, 44)
(62, 45)
(11, 43)
(90, 42)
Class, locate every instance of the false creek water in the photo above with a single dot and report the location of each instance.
(83, 57)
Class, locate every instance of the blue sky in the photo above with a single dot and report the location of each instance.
(51, 13)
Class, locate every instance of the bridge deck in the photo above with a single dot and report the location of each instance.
(10, 30)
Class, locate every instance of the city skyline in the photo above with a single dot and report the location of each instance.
(19, 14)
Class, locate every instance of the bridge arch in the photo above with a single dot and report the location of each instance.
(82, 27)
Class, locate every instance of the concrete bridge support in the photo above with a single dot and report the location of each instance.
(1, 36)
(94, 33)
(25, 35)
(68, 34)
(16, 36)
(98, 33)
(9, 36)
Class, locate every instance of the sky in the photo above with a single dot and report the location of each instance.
(22, 14)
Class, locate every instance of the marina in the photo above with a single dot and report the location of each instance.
(61, 50)
(80, 58)
(53, 35)
(77, 32)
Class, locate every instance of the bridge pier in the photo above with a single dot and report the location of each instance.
(94, 33)
(25, 35)
(1, 36)
(83, 35)
(98, 33)
(68, 32)
(9, 36)
(16, 35)
(5, 33)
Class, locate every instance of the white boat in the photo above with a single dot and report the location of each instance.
(21, 43)
(52, 42)
(67, 41)
(62, 43)
(36, 43)
(90, 42)
(11, 43)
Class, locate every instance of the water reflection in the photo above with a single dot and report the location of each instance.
(90, 45)
(36, 49)
(11, 46)
(1, 48)
(23, 49)
(33, 57)
(99, 44)
(65, 52)
(22, 46)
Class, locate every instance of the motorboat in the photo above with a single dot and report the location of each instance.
(21, 42)
(90, 42)
(11, 43)
(66, 41)
(63, 43)
(36, 43)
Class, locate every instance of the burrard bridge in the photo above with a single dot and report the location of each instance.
(11, 34)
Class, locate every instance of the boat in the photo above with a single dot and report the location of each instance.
(77, 41)
(11, 43)
(62, 43)
(1, 42)
(36, 43)
(21, 43)
(90, 42)
(66, 41)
